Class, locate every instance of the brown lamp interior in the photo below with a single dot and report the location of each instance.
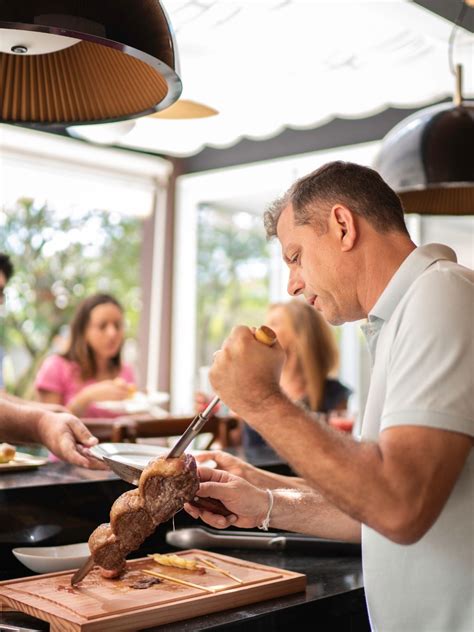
(85, 82)
(438, 200)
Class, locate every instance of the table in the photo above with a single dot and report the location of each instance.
(72, 501)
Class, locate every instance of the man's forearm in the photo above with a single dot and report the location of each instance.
(356, 477)
(272, 480)
(19, 423)
(340, 468)
(309, 513)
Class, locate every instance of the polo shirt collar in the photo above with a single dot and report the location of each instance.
(414, 265)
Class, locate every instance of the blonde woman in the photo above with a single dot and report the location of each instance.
(312, 360)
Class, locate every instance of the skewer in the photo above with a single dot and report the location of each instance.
(179, 581)
(218, 568)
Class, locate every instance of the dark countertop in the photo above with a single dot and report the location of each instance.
(61, 504)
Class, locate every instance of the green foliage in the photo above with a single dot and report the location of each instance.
(60, 259)
(233, 277)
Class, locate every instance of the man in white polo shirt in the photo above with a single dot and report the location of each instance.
(406, 487)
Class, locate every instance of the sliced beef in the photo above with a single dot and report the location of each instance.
(164, 486)
(130, 520)
(105, 548)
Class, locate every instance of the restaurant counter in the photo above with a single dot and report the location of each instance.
(61, 504)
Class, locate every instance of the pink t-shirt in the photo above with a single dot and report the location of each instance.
(62, 376)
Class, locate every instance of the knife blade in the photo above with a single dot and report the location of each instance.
(83, 571)
(192, 430)
(131, 474)
(263, 334)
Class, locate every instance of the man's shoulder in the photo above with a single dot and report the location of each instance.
(442, 282)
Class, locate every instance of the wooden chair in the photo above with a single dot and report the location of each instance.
(106, 429)
(136, 428)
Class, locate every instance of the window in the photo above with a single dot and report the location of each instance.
(227, 206)
(71, 219)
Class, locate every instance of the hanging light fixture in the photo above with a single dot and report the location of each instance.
(186, 109)
(428, 158)
(85, 61)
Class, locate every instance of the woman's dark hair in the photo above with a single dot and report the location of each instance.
(79, 351)
(359, 188)
(6, 266)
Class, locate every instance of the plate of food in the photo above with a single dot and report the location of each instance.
(51, 559)
(138, 403)
(136, 454)
(11, 459)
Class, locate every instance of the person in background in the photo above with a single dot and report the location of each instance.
(6, 272)
(405, 486)
(91, 370)
(311, 360)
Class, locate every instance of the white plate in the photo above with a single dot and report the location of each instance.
(49, 559)
(139, 403)
(22, 461)
(137, 454)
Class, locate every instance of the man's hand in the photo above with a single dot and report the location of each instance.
(68, 438)
(248, 504)
(246, 373)
(254, 475)
(227, 462)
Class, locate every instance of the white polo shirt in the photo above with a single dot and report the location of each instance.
(421, 338)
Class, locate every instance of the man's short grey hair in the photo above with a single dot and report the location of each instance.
(359, 188)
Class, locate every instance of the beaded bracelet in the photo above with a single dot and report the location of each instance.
(266, 523)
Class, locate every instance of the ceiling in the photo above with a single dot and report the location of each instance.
(271, 65)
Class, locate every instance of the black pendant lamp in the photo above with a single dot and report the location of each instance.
(428, 158)
(69, 62)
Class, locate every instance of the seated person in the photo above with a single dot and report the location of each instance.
(311, 360)
(91, 370)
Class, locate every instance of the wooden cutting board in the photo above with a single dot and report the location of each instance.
(99, 604)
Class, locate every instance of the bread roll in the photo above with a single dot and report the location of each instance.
(7, 452)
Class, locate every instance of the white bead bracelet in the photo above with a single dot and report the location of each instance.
(266, 523)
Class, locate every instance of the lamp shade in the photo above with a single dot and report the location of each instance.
(85, 61)
(428, 159)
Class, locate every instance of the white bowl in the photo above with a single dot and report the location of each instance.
(50, 559)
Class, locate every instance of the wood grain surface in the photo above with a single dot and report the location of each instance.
(98, 604)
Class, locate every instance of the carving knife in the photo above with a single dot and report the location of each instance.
(263, 334)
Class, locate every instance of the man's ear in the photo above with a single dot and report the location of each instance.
(344, 225)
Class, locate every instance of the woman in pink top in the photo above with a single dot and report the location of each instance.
(91, 370)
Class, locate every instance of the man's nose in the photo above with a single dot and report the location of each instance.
(295, 284)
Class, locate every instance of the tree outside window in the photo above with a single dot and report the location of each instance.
(60, 258)
(232, 276)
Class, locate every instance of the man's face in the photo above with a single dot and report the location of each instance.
(3, 282)
(316, 268)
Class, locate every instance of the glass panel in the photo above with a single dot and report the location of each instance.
(232, 276)
(61, 257)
